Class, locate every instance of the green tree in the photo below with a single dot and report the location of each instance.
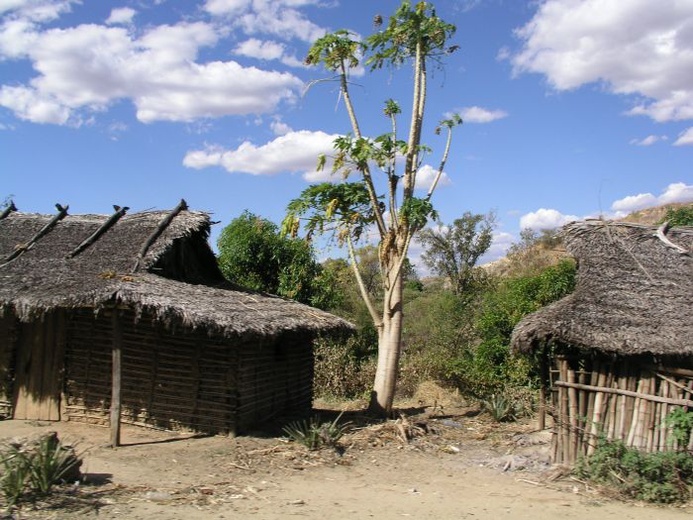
(490, 367)
(453, 251)
(254, 254)
(414, 35)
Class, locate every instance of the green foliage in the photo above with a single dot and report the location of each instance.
(416, 212)
(663, 477)
(681, 422)
(254, 254)
(49, 463)
(345, 369)
(314, 434)
(15, 473)
(331, 207)
(453, 251)
(679, 216)
(490, 367)
(435, 337)
(336, 51)
(410, 30)
(35, 468)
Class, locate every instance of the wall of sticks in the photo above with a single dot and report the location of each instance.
(8, 341)
(173, 378)
(625, 399)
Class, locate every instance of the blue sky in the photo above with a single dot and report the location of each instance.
(572, 108)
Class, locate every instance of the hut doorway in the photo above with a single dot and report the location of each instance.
(39, 368)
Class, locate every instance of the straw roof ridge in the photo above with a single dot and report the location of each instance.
(633, 293)
(176, 278)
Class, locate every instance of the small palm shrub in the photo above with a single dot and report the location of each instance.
(35, 467)
(314, 434)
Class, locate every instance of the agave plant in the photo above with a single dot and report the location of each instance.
(314, 434)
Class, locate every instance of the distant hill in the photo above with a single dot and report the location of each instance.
(654, 215)
(540, 256)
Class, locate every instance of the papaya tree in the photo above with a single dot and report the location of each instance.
(378, 174)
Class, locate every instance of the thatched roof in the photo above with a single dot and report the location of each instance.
(146, 261)
(634, 293)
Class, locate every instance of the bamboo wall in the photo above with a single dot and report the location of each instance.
(625, 399)
(8, 339)
(184, 379)
(169, 381)
(276, 379)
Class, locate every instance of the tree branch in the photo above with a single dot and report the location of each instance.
(344, 87)
(444, 160)
(377, 320)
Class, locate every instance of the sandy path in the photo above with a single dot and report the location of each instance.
(165, 476)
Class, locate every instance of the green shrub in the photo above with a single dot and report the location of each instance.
(49, 463)
(501, 407)
(36, 467)
(681, 422)
(662, 477)
(343, 368)
(314, 434)
(679, 216)
(15, 473)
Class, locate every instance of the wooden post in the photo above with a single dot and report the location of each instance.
(116, 379)
(545, 381)
(573, 411)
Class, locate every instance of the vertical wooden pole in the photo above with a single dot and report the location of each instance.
(564, 413)
(542, 391)
(116, 379)
(573, 412)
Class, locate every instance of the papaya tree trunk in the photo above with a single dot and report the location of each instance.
(389, 343)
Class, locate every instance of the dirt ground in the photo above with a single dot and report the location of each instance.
(432, 463)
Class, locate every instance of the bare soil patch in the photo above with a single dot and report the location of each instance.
(433, 462)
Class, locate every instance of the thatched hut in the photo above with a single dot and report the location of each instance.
(128, 318)
(617, 354)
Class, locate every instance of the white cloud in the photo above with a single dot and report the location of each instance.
(499, 247)
(267, 50)
(36, 10)
(634, 203)
(675, 192)
(426, 175)
(637, 47)
(279, 18)
(649, 140)
(88, 67)
(480, 115)
(30, 105)
(122, 15)
(685, 138)
(280, 128)
(545, 219)
(295, 152)
(262, 50)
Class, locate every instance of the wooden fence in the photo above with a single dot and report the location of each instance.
(626, 399)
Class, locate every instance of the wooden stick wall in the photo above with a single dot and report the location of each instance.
(625, 399)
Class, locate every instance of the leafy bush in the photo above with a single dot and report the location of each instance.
(663, 477)
(681, 422)
(679, 216)
(343, 369)
(490, 367)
